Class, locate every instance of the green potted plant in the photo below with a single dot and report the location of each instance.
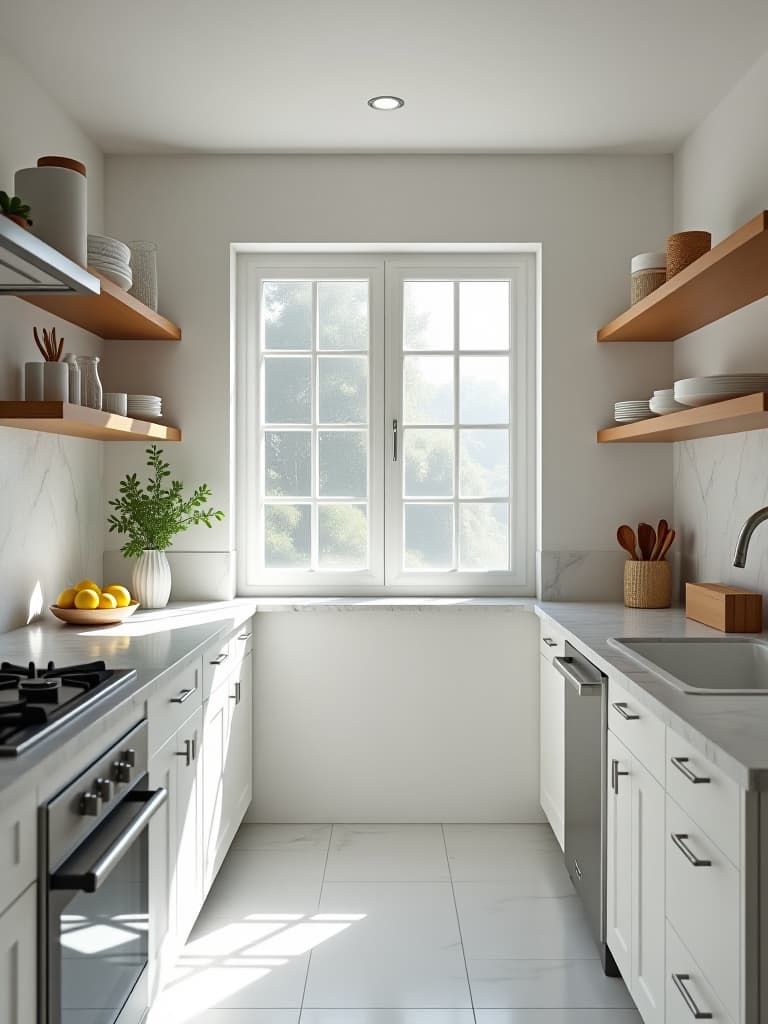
(15, 209)
(151, 517)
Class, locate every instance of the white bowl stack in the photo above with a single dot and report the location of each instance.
(112, 258)
(632, 410)
(145, 407)
(664, 401)
(695, 391)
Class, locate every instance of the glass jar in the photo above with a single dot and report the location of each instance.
(91, 391)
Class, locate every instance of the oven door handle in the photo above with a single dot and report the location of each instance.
(92, 879)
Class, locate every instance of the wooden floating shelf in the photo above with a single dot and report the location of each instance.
(748, 412)
(112, 314)
(731, 275)
(78, 421)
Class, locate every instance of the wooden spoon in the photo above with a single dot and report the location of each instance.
(646, 538)
(625, 535)
(661, 533)
(666, 545)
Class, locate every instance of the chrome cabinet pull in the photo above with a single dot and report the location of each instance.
(681, 763)
(549, 641)
(220, 658)
(690, 1002)
(394, 440)
(236, 695)
(183, 695)
(615, 773)
(621, 706)
(188, 752)
(678, 838)
(245, 636)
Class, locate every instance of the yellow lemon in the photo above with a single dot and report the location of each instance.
(87, 585)
(66, 598)
(120, 594)
(107, 601)
(87, 599)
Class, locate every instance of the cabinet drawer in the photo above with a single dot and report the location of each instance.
(687, 991)
(551, 641)
(225, 658)
(18, 848)
(703, 904)
(173, 702)
(639, 730)
(241, 643)
(706, 794)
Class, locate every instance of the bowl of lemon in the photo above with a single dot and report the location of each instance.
(88, 604)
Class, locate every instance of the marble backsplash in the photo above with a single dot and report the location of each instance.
(51, 519)
(719, 482)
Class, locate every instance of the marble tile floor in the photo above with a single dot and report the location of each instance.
(392, 924)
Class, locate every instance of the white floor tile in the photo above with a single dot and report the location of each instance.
(218, 1016)
(496, 922)
(528, 854)
(545, 984)
(558, 1017)
(404, 951)
(283, 838)
(387, 853)
(387, 1017)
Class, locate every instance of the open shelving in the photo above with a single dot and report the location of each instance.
(734, 415)
(730, 276)
(79, 421)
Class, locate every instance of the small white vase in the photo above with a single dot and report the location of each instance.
(152, 579)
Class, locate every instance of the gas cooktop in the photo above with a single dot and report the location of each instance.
(34, 702)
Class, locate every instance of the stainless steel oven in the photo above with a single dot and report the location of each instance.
(94, 898)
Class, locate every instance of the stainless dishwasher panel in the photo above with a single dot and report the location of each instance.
(586, 723)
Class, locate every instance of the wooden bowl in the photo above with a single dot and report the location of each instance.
(94, 616)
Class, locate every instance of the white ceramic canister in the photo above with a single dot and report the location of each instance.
(151, 583)
(57, 194)
(74, 378)
(55, 382)
(33, 382)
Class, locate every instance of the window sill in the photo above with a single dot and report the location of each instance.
(315, 604)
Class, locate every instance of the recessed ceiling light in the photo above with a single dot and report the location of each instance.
(386, 102)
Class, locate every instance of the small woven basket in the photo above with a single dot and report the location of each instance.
(646, 281)
(685, 248)
(647, 584)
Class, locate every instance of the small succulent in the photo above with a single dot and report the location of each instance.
(12, 206)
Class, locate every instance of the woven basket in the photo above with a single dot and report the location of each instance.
(647, 584)
(144, 268)
(684, 248)
(646, 281)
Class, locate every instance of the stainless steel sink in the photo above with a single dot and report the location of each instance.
(733, 665)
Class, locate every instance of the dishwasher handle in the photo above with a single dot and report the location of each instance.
(583, 685)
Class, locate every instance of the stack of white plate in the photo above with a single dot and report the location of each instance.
(696, 391)
(664, 401)
(145, 407)
(112, 258)
(632, 411)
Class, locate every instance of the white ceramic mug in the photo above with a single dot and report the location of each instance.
(116, 402)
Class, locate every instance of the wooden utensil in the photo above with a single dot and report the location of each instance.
(661, 533)
(625, 535)
(666, 545)
(646, 538)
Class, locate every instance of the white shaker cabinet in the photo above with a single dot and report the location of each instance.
(18, 960)
(619, 856)
(189, 825)
(552, 732)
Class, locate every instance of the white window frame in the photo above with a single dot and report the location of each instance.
(253, 263)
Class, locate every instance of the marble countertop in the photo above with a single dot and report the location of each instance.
(151, 642)
(732, 731)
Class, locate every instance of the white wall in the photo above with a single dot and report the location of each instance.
(440, 725)
(721, 181)
(591, 214)
(52, 497)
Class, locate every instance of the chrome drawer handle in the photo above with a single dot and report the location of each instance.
(678, 838)
(681, 763)
(220, 659)
(245, 636)
(183, 695)
(615, 773)
(621, 707)
(549, 641)
(680, 980)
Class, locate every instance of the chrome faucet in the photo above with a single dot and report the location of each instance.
(742, 544)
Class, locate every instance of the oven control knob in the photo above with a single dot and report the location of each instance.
(90, 804)
(121, 771)
(129, 757)
(106, 789)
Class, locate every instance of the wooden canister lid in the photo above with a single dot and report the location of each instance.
(62, 161)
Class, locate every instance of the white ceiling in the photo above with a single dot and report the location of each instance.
(477, 75)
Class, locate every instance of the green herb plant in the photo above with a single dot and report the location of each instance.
(12, 206)
(151, 516)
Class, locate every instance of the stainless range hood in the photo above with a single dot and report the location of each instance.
(29, 266)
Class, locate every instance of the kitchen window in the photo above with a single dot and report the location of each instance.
(385, 423)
